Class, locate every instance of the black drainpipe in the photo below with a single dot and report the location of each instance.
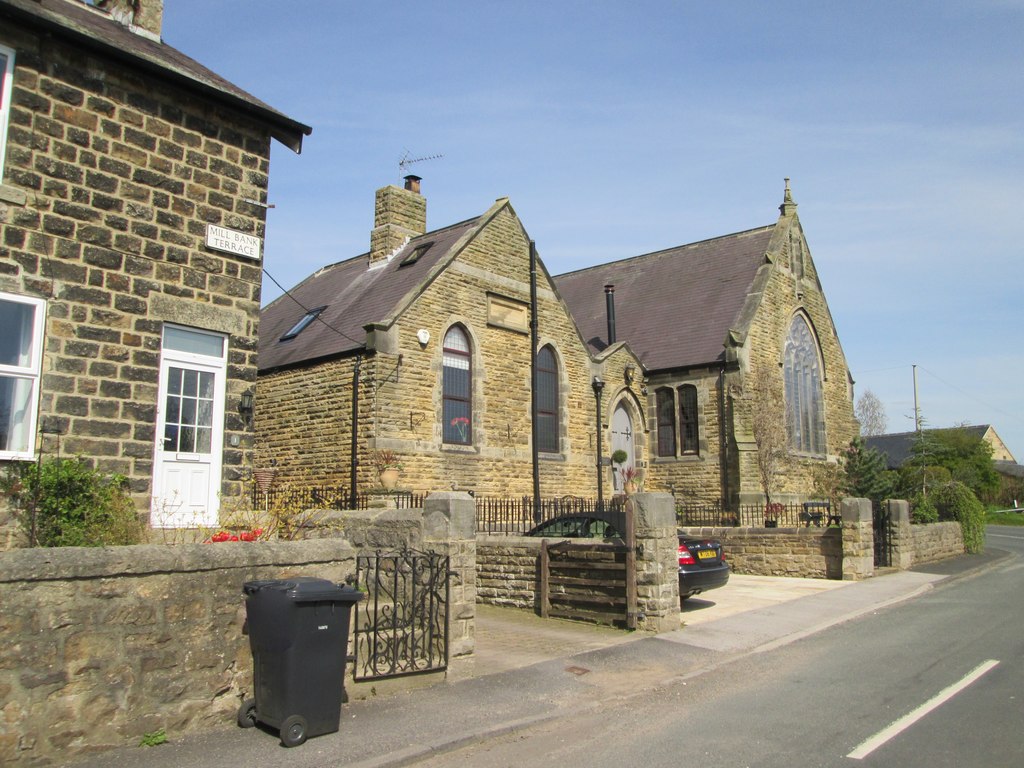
(534, 426)
(598, 386)
(609, 302)
(355, 432)
(723, 442)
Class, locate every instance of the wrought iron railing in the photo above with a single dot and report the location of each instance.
(757, 515)
(514, 515)
(324, 497)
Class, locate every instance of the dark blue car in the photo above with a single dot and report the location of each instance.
(702, 566)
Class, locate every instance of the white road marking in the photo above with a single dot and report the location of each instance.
(867, 747)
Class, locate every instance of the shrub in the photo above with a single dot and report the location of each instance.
(922, 510)
(955, 501)
(67, 503)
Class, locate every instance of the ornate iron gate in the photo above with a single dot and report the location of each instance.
(401, 627)
(883, 535)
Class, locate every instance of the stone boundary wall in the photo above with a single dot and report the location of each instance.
(815, 553)
(507, 568)
(104, 645)
(936, 541)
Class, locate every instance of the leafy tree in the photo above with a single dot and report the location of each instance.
(871, 414)
(955, 501)
(865, 474)
(964, 455)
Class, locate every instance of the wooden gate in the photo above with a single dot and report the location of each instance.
(590, 581)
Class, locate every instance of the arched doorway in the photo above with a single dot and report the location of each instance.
(622, 440)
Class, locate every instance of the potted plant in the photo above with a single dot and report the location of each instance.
(388, 468)
(772, 511)
(630, 480)
(619, 456)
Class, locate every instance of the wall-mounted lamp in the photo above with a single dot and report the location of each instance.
(245, 404)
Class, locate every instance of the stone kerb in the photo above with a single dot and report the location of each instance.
(657, 562)
(858, 539)
(449, 526)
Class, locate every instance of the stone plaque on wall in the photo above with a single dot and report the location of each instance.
(508, 313)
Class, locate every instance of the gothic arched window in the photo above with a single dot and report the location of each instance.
(547, 401)
(457, 387)
(804, 405)
(688, 428)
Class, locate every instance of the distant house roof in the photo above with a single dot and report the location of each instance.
(659, 297)
(898, 446)
(1009, 468)
(353, 295)
(93, 28)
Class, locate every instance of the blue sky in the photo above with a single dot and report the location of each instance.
(620, 128)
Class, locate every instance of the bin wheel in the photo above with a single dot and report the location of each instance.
(293, 731)
(247, 714)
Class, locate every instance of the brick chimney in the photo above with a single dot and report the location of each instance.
(398, 214)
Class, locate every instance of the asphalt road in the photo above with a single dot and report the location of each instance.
(888, 689)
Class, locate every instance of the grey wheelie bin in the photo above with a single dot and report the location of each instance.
(298, 632)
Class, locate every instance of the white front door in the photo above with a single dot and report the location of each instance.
(622, 440)
(190, 429)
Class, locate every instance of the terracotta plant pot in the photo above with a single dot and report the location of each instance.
(389, 479)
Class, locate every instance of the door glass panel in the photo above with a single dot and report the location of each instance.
(189, 411)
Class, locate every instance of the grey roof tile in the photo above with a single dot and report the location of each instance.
(674, 307)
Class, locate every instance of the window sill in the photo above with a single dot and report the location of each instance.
(551, 456)
(456, 448)
(686, 458)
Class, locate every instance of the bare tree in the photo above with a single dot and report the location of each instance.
(768, 423)
(871, 414)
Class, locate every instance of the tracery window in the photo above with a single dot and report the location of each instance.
(804, 404)
(666, 406)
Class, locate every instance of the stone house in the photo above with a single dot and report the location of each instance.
(132, 211)
(897, 447)
(423, 346)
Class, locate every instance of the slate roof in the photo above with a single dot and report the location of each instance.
(898, 446)
(95, 29)
(675, 307)
(1009, 468)
(354, 296)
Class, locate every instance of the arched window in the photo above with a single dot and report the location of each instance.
(666, 406)
(457, 388)
(547, 401)
(804, 407)
(688, 428)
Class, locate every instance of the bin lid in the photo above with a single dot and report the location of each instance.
(306, 589)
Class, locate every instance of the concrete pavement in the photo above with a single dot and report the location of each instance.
(528, 670)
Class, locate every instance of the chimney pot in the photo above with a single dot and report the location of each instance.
(412, 183)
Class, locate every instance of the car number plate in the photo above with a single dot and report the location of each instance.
(707, 554)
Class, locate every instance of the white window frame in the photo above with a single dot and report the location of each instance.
(30, 372)
(6, 88)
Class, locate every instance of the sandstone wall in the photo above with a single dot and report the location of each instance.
(936, 541)
(105, 645)
(811, 553)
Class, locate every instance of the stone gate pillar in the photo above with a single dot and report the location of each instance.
(902, 536)
(858, 539)
(657, 561)
(449, 526)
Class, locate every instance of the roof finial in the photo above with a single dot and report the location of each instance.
(788, 207)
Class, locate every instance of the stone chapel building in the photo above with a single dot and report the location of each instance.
(425, 346)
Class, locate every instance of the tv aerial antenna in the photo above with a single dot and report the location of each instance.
(405, 161)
